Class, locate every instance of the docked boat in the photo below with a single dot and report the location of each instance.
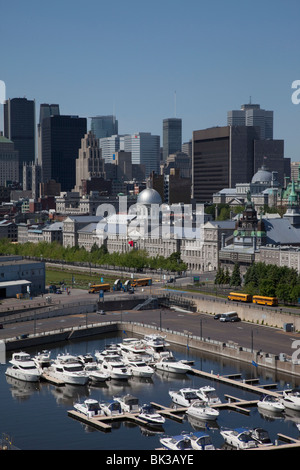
(270, 403)
(68, 369)
(200, 440)
(23, 368)
(202, 411)
(132, 348)
(129, 403)
(261, 436)
(139, 368)
(240, 438)
(184, 396)
(150, 415)
(111, 350)
(43, 359)
(115, 367)
(291, 399)
(180, 442)
(95, 373)
(156, 346)
(208, 395)
(112, 408)
(89, 408)
(170, 364)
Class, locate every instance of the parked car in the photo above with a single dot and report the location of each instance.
(217, 316)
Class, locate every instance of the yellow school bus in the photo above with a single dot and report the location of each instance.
(98, 287)
(147, 281)
(240, 297)
(260, 299)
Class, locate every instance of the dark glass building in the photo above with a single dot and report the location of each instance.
(60, 141)
(222, 157)
(19, 127)
(172, 136)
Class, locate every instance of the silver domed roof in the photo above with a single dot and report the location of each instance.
(262, 176)
(149, 196)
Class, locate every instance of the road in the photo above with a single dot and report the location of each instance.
(271, 340)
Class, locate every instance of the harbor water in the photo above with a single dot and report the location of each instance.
(35, 416)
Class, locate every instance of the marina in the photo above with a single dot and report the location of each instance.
(240, 388)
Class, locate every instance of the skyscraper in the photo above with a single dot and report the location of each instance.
(89, 163)
(253, 115)
(222, 157)
(104, 126)
(19, 127)
(172, 136)
(61, 139)
(145, 150)
(46, 110)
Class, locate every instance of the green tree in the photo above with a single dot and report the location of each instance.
(236, 279)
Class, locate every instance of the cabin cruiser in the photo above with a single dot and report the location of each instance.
(23, 368)
(89, 408)
(291, 399)
(111, 350)
(270, 403)
(208, 394)
(156, 346)
(95, 373)
(132, 348)
(261, 436)
(115, 367)
(139, 368)
(43, 359)
(150, 415)
(179, 443)
(240, 438)
(200, 440)
(170, 364)
(68, 369)
(184, 396)
(129, 403)
(201, 410)
(112, 408)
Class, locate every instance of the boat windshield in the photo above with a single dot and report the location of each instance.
(73, 368)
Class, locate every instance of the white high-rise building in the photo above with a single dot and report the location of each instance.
(110, 146)
(145, 150)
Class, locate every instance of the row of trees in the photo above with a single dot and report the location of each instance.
(264, 279)
(138, 259)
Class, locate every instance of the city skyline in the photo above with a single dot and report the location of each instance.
(145, 63)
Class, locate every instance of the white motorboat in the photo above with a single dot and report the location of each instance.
(112, 408)
(291, 399)
(129, 403)
(170, 364)
(202, 411)
(240, 438)
(95, 373)
(115, 367)
(111, 350)
(156, 341)
(150, 415)
(179, 443)
(208, 395)
(261, 436)
(68, 369)
(132, 348)
(89, 408)
(184, 396)
(270, 403)
(200, 440)
(139, 368)
(43, 359)
(23, 368)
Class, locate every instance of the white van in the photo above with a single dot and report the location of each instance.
(229, 316)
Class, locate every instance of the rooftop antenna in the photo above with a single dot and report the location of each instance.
(175, 103)
(250, 100)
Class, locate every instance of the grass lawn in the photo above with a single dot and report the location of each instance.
(76, 279)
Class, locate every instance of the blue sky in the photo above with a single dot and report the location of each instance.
(132, 57)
